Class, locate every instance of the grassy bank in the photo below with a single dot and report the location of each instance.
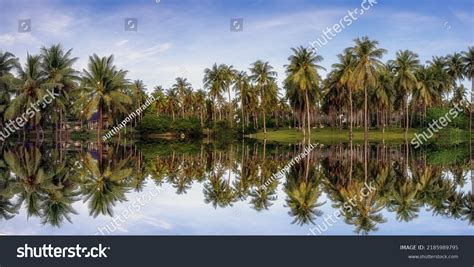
(327, 135)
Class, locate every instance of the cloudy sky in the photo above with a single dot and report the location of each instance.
(181, 38)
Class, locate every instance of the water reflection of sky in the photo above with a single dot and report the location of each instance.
(187, 214)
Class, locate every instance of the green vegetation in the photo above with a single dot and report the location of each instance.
(152, 125)
(328, 135)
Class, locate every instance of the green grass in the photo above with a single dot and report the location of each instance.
(328, 135)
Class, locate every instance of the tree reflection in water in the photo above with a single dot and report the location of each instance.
(46, 180)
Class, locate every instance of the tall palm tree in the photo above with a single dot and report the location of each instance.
(343, 71)
(200, 102)
(8, 62)
(228, 74)
(262, 75)
(182, 86)
(425, 90)
(455, 68)
(138, 89)
(468, 60)
(242, 86)
(60, 75)
(160, 99)
(302, 73)
(366, 69)
(30, 92)
(405, 66)
(214, 82)
(102, 88)
(172, 101)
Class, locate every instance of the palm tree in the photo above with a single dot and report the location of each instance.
(8, 62)
(138, 89)
(455, 68)
(405, 66)
(468, 60)
(303, 76)
(214, 82)
(228, 75)
(343, 71)
(102, 88)
(242, 86)
(160, 99)
(262, 76)
(181, 87)
(61, 77)
(172, 101)
(200, 102)
(366, 68)
(30, 92)
(425, 90)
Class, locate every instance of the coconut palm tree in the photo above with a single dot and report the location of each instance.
(262, 76)
(138, 90)
(425, 90)
(366, 68)
(303, 75)
(242, 86)
(30, 92)
(468, 60)
(8, 62)
(200, 102)
(405, 66)
(57, 67)
(228, 75)
(455, 68)
(343, 71)
(182, 86)
(172, 102)
(214, 82)
(102, 88)
(160, 99)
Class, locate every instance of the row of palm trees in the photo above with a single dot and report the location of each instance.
(101, 89)
(360, 86)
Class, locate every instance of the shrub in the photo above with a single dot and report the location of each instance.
(153, 124)
(461, 121)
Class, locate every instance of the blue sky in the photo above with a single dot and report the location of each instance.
(181, 38)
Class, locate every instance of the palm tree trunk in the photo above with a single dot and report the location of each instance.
(230, 108)
(350, 116)
(406, 116)
(242, 110)
(307, 112)
(365, 114)
(264, 123)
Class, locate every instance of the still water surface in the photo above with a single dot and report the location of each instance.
(209, 189)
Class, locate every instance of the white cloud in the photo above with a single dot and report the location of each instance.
(8, 39)
(151, 51)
